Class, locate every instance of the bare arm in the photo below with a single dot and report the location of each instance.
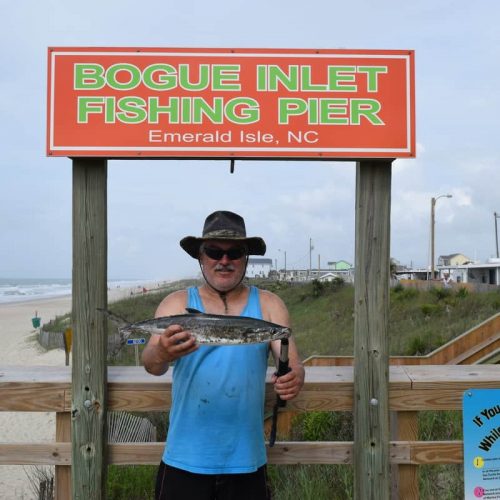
(289, 385)
(173, 343)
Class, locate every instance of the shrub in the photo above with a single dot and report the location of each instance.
(323, 426)
(317, 288)
(441, 293)
(430, 309)
(404, 293)
(417, 347)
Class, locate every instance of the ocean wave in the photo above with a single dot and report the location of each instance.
(18, 290)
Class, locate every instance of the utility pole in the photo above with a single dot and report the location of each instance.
(284, 252)
(497, 216)
(311, 248)
(433, 223)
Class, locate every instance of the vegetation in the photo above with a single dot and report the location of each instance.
(420, 321)
(322, 316)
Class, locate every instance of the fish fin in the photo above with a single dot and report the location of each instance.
(118, 320)
(191, 310)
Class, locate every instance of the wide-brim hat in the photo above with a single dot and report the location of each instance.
(224, 225)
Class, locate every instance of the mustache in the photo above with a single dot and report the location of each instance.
(224, 267)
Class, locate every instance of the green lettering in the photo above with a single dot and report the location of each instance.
(312, 114)
(290, 80)
(367, 108)
(242, 110)
(222, 74)
(160, 77)
(88, 76)
(261, 78)
(202, 108)
(290, 107)
(110, 109)
(332, 107)
(132, 110)
(305, 74)
(155, 110)
(186, 107)
(89, 105)
(203, 78)
(337, 78)
(131, 72)
(372, 76)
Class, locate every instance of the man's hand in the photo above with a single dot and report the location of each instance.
(288, 386)
(171, 344)
(174, 343)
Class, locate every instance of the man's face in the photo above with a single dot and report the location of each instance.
(223, 263)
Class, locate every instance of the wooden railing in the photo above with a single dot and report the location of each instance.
(479, 344)
(412, 389)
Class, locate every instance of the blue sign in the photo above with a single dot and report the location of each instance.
(481, 421)
(136, 341)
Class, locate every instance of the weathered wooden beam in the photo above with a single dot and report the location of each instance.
(89, 371)
(371, 347)
(416, 388)
(283, 452)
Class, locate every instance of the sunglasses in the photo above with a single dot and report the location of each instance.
(218, 253)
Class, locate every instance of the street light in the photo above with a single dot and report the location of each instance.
(497, 216)
(433, 205)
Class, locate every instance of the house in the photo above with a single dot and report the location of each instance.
(485, 274)
(259, 268)
(481, 275)
(347, 276)
(303, 275)
(341, 265)
(455, 259)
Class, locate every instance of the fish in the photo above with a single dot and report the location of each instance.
(211, 329)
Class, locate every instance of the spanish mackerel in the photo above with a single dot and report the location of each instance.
(213, 329)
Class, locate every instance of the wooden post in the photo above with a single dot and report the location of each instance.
(89, 370)
(371, 357)
(408, 473)
(63, 472)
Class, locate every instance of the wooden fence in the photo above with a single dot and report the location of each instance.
(411, 389)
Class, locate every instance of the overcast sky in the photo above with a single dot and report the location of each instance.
(153, 204)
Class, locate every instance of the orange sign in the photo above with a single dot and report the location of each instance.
(226, 103)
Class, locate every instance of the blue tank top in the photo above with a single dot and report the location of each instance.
(216, 417)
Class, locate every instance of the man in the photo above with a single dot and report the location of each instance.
(447, 280)
(215, 447)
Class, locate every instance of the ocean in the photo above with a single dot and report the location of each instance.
(22, 289)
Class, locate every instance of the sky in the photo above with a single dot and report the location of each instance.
(152, 204)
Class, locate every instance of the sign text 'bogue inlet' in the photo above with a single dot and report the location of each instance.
(230, 103)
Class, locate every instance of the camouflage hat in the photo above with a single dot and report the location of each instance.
(226, 226)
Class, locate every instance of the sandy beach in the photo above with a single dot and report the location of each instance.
(18, 347)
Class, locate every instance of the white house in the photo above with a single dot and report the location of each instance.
(487, 274)
(259, 268)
